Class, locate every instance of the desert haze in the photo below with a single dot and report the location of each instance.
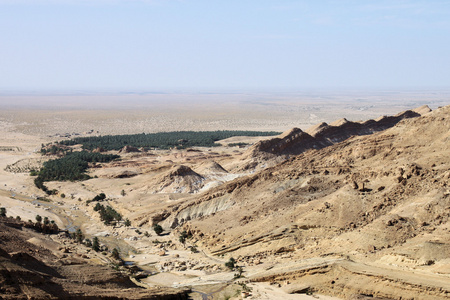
(124, 113)
(350, 201)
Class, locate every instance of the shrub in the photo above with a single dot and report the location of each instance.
(97, 207)
(95, 244)
(88, 243)
(107, 214)
(158, 229)
(183, 236)
(2, 212)
(115, 253)
(231, 264)
(79, 236)
(99, 197)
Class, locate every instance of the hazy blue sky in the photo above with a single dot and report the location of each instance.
(229, 44)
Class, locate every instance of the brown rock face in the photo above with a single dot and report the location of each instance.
(295, 141)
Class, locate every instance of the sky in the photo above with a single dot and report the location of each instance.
(167, 45)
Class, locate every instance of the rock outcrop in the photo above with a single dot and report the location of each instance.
(180, 179)
(296, 141)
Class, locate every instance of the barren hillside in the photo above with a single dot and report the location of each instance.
(379, 202)
(34, 266)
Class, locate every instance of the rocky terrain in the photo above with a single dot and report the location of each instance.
(378, 204)
(355, 210)
(33, 267)
(296, 141)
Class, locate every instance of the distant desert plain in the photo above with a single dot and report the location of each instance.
(334, 209)
(42, 115)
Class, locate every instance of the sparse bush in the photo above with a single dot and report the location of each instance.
(158, 229)
(88, 243)
(51, 192)
(231, 264)
(38, 218)
(182, 239)
(127, 223)
(79, 236)
(95, 244)
(183, 236)
(97, 207)
(115, 253)
(99, 197)
(2, 212)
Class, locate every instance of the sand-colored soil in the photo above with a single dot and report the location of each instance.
(240, 212)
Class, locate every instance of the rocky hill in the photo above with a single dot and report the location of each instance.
(295, 141)
(180, 179)
(375, 206)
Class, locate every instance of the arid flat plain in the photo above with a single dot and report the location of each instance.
(43, 115)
